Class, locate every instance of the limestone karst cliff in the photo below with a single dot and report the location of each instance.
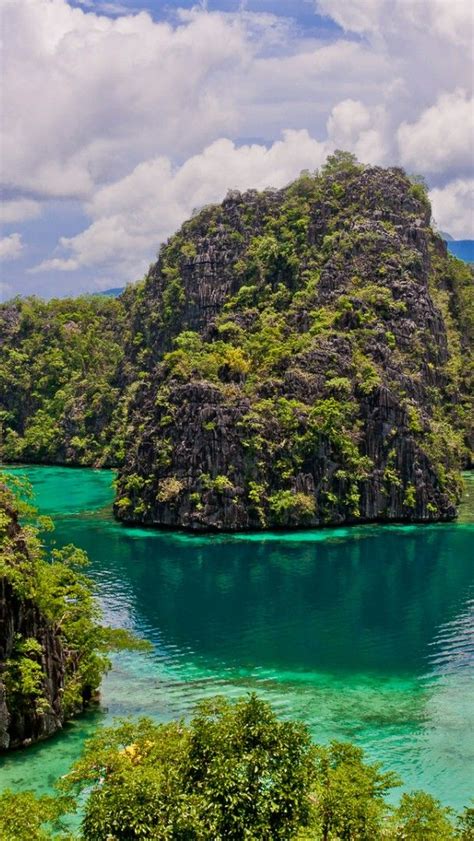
(308, 361)
(28, 642)
(295, 357)
(52, 649)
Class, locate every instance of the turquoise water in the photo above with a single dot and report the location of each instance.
(365, 634)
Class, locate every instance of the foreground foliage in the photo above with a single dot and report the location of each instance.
(234, 773)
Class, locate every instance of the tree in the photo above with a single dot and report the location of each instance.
(350, 794)
(340, 161)
(234, 772)
(420, 817)
(23, 816)
(465, 824)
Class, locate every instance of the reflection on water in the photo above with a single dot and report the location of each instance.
(364, 633)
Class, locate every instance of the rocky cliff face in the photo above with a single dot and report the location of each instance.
(23, 720)
(295, 357)
(50, 663)
(311, 372)
(31, 653)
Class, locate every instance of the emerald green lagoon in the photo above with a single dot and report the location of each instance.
(364, 633)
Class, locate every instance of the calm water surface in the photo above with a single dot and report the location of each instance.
(365, 634)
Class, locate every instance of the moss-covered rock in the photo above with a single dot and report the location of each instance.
(316, 361)
(295, 357)
(52, 649)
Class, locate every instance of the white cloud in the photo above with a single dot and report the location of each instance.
(356, 16)
(86, 97)
(19, 210)
(131, 216)
(453, 208)
(442, 137)
(352, 125)
(11, 247)
(450, 19)
(125, 114)
(426, 43)
(55, 264)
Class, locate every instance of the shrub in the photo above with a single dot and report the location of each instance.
(288, 506)
(169, 489)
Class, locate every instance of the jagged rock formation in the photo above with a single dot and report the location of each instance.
(23, 723)
(296, 357)
(52, 651)
(24, 719)
(312, 374)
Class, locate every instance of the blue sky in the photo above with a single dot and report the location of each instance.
(119, 118)
(301, 11)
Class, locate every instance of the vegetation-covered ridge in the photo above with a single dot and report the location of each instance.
(53, 649)
(308, 361)
(63, 380)
(233, 773)
(295, 357)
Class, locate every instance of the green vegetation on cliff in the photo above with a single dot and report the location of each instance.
(233, 773)
(53, 649)
(62, 378)
(296, 357)
(313, 368)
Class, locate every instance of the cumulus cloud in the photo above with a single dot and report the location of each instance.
(442, 138)
(131, 216)
(453, 208)
(126, 115)
(19, 210)
(11, 247)
(450, 20)
(352, 125)
(426, 43)
(87, 96)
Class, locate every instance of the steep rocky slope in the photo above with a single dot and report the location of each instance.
(295, 357)
(28, 722)
(305, 362)
(52, 650)
(24, 716)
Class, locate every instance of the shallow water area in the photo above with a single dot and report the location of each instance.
(365, 633)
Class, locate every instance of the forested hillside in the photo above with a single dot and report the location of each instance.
(311, 349)
(295, 357)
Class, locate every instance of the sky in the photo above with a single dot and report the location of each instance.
(118, 119)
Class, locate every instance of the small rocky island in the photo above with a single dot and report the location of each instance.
(309, 364)
(295, 358)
